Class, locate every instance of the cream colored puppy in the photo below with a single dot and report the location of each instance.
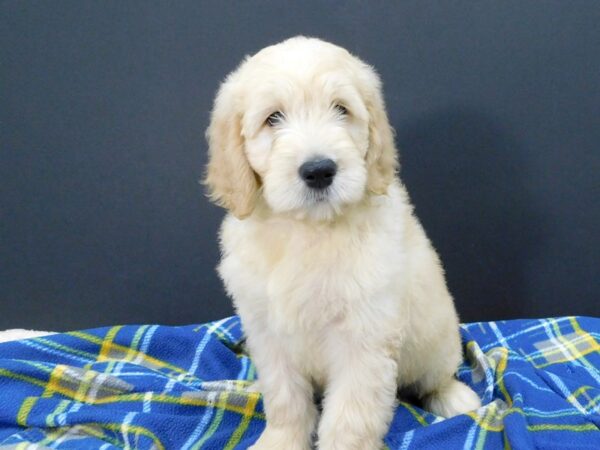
(336, 283)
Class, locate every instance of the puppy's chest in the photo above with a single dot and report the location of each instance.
(317, 277)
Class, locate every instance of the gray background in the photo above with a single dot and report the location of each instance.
(103, 111)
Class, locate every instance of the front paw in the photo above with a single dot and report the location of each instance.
(350, 442)
(281, 438)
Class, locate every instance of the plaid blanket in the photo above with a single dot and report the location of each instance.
(158, 387)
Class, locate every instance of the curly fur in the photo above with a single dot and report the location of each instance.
(339, 292)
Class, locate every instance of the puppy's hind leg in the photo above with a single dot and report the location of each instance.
(438, 388)
(451, 398)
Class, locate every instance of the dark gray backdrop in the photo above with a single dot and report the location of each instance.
(104, 106)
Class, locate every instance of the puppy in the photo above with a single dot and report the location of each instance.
(339, 290)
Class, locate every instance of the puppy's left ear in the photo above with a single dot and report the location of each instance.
(231, 181)
(382, 157)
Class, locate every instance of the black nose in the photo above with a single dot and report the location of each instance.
(318, 174)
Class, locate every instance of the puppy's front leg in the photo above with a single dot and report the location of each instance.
(287, 396)
(359, 399)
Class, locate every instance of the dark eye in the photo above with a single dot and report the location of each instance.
(340, 109)
(274, 119)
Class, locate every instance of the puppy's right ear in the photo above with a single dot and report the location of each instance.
(231, 181)
(382, 157)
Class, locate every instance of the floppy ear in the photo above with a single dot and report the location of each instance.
(231, 181)
(382, 157)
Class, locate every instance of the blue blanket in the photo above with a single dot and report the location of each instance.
(158, 387)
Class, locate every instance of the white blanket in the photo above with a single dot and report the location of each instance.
(18, 333)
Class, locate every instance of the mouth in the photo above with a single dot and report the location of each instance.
(318, 196)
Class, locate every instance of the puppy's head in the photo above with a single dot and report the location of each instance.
(302, 124)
